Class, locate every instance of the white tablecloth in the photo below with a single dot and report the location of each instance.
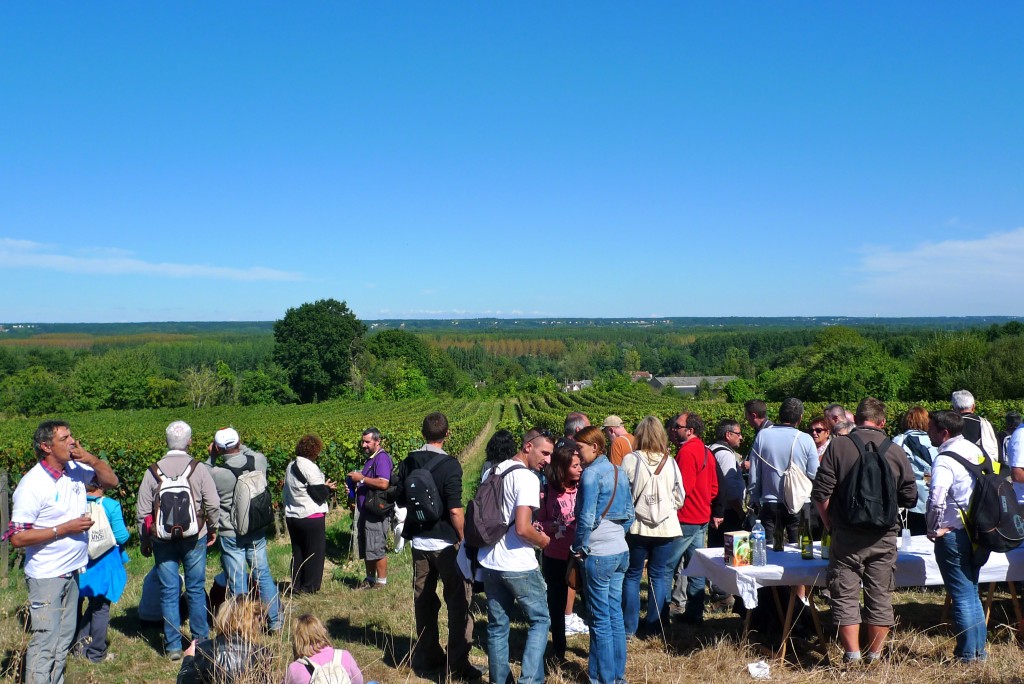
(915, 567)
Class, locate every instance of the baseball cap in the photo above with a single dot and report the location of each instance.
(226, 438)
(612, 421)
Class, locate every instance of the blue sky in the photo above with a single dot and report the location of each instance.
(226, 161)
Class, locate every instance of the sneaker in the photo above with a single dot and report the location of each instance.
(174, 655)
(367, 583)
(572, 628)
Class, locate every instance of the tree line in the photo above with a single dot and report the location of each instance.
(321, 350)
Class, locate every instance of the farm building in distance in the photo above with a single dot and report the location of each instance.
(689, 384)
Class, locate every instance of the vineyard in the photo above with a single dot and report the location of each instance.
(132, 440)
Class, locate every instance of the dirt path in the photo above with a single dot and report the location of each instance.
(475, 448)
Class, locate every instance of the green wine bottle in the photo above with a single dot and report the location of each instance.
(779, 538)
(826, 543)
(806, 544)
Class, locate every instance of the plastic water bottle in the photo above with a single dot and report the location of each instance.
(905, 539)
(759, 547)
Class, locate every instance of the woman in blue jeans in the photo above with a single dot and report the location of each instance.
(655, 538)
(604, 511)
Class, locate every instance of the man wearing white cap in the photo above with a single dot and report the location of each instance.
(242, 555)
(620, 442)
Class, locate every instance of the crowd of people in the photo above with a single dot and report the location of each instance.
(74, 537)
(558, 521)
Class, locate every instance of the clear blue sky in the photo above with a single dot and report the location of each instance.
(226, 161)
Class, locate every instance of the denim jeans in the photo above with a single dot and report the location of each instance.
(53, 607)
(954, 556)
(604, 576)
(661, 554)
(248, 554)
(690, 590)
(503, 589)
(191, 555)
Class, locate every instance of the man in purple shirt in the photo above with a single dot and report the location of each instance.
(373, 522)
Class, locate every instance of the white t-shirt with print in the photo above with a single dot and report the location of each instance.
(520, 488)
(44, 502)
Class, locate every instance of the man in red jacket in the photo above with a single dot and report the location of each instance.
(700, 482)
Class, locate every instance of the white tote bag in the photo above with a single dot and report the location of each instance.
(101, 536)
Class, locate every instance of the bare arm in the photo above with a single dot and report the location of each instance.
(105, 476)
(43, 535)
(371, 482)
(458, 517)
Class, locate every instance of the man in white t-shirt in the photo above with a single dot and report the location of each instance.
(50, 520)
(511, 571)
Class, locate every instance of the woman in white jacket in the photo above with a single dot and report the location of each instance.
(306, 492)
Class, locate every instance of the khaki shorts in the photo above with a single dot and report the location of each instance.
(869, 561)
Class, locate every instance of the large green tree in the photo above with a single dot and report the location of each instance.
(315, 344)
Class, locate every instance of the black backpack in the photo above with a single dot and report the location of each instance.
(422, 499)
(867, 496)
(485, 515)
(993, 517)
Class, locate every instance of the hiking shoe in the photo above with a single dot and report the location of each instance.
(367, 583)
(174, 655)
(724, 605)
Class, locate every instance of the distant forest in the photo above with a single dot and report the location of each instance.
(61, 367)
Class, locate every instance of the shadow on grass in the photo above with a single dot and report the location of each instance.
(394, 647)
(130, 625)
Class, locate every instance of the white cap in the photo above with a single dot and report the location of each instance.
(226, 438)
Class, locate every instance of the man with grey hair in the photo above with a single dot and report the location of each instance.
(50, 520)
(835, 413)
(977, 430)
(770, 456)
(172, 545)
(574, 422)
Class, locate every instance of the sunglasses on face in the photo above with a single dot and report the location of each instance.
(818, 430)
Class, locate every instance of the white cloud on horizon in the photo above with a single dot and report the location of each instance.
(114, 261)
(951, 275)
